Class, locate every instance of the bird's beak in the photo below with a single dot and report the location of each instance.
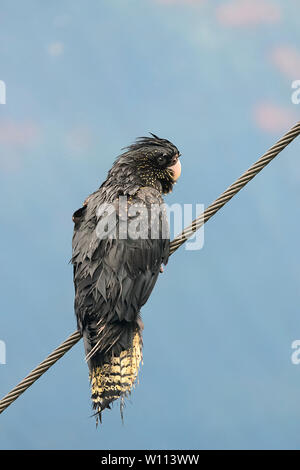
(176, 170)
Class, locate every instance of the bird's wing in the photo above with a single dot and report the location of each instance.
(113, 276)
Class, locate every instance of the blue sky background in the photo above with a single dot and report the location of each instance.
(83, 80)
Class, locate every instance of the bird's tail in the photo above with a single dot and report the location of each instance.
(117, 375)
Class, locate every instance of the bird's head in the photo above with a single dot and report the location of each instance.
(153, 162)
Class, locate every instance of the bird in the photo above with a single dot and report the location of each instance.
(120, 243)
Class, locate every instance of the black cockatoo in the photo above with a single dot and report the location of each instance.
(116, 268)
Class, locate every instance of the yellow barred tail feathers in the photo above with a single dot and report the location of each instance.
(116, 377)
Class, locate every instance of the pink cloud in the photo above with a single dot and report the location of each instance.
(287, 60)
(15, 134)
(15, 137)
(248, 13)
(274, 119)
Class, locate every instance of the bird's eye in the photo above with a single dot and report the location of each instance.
(161, 159)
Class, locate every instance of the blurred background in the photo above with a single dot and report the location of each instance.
(83, 80)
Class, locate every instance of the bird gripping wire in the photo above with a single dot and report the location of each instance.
(175, 244)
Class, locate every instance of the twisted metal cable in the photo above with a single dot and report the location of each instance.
(235, 187)
(39, 370)
(174, 245)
